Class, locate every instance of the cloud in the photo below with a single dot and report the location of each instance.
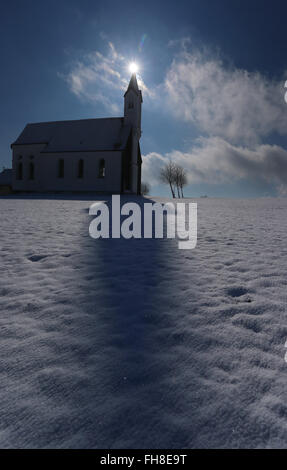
(214, 160)
(233, 111)
(152, 163)
(224, 101)
(99, 78)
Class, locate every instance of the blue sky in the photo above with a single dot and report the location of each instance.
(212, 74)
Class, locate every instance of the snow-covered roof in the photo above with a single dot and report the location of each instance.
(6, 177)
(77, 136)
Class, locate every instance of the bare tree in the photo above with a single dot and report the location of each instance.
(182, 179)
(145, 189)
(167, 176)
(177, 178)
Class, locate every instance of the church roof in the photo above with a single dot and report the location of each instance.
(76, 136)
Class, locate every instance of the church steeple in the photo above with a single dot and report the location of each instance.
(133, 85)
(133, 102)
(132, 118)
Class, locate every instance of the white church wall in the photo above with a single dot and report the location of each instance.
(91, 180)
(46, 171)
(25, 155)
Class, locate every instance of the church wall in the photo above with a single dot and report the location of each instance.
(25, 155)
(46, 167)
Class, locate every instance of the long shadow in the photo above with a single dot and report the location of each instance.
(109, 348)
(129, 304)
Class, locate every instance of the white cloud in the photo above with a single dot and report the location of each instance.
(152, 163)
(223, 101)
(102, 79)
(235, 110)
(214, 160)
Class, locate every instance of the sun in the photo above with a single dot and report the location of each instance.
(133, 67)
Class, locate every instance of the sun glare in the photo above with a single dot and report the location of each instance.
(133, 67)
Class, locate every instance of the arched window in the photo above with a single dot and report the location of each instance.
(61, 168)
(81, 168)
(19, 171)
(102, 168)
(31, 171)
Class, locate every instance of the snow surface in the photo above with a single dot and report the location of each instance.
(137, 344)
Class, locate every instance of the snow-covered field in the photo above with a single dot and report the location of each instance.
(137, 344)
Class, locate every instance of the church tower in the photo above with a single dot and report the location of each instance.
(133, 104)
(132, 116)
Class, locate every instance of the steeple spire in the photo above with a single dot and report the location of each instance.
(133, 85)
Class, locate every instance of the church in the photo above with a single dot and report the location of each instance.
(101, 155)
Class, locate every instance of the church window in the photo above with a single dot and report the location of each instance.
(81, 168)
(31, 171)
(102, 168)
(20, 171)
(131, 105)
(61, 168)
